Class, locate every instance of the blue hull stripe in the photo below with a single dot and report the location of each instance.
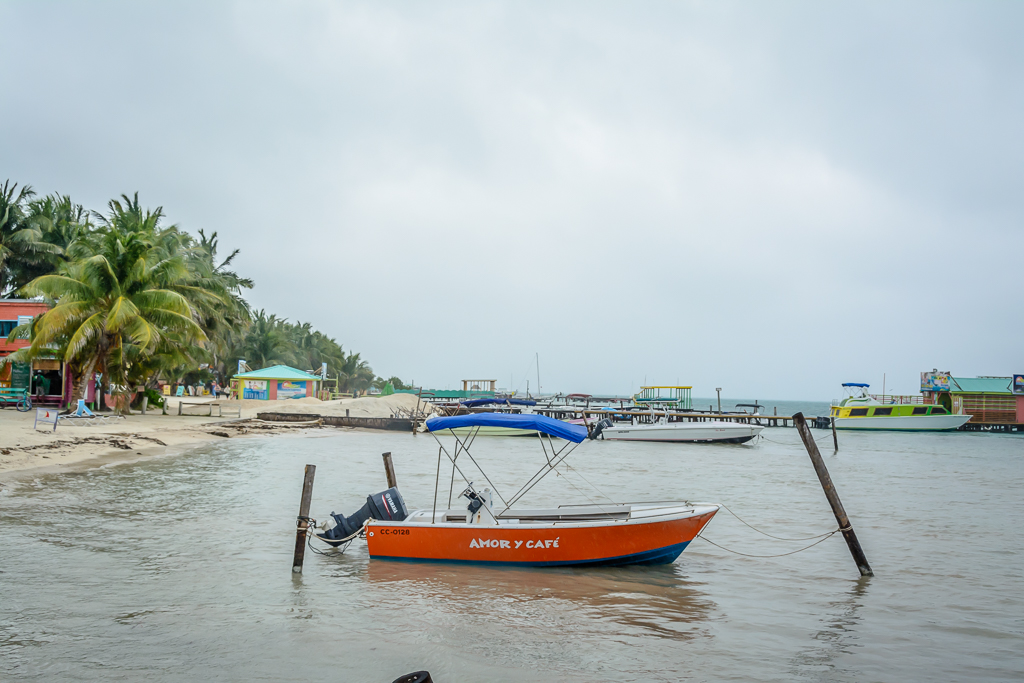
(657, 556)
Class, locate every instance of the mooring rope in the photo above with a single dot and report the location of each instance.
(777, 538)
(792, 552)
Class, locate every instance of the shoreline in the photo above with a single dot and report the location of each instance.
(25, 451)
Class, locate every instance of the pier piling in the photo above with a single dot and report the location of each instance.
(833, 497)
(303, 519)
(389, 470)
(835, 439)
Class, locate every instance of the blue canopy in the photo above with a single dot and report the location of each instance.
(855, 384)
(472, 403)
(544, 425)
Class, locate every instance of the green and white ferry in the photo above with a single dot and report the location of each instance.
(859, 410)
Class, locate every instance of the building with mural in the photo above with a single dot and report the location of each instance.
(275, 383)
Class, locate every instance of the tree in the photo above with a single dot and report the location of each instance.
(266, 342)
(21, 242)
(119, 299)
(354, 374)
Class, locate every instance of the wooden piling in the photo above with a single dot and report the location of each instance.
(833, 497)
(303, 519)
(835, 439)
(389, 470)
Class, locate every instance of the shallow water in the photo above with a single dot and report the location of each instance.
(178, 568)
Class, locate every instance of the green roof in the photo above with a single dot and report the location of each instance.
(276, 372)
(980, 385)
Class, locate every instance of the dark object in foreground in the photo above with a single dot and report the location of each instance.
(833, 497)
(387, 506)
(415, 677)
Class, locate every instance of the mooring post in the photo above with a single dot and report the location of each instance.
(833, 498)
(303, 520)
(835, 439)
(389, 470)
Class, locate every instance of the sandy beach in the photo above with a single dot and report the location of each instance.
(112, 439)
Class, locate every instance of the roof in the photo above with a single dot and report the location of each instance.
(276, 372)
(980, 385)
(497, 401)
(855, 384)
(540, 423)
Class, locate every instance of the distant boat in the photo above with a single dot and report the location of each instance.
(715, 431)
(859, 410)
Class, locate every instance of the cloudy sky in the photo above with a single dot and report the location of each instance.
(772, 198)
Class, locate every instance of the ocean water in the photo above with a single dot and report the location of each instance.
(178, 568)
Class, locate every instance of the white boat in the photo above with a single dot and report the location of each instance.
(859, 410)
(683, 432)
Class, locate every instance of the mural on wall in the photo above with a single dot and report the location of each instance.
(1017, 386)
(934, 381)
(286, 389)
(255, 388)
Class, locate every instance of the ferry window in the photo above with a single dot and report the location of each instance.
(858, 412)
(920, 411)
(882, 411)
(939, 411)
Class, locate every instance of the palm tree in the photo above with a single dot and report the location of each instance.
(119, 298)
(355, 373)
(266, 343)
(21, 242)
(226, 320)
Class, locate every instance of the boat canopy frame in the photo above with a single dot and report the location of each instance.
(544, 426)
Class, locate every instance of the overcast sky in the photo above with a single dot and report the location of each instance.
(772, 198)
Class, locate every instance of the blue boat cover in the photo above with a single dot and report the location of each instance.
(472, 403)
(544, 425)
(855, 384)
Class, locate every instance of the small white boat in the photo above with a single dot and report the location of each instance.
(683, 432)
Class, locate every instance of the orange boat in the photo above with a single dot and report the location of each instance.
(481, 533)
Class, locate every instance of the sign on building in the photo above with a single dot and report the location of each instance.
(255, 388)
(1017, 385)
(289, 389)
(934, 381)
(21, 374)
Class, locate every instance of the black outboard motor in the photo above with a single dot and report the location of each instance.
(599, 427)
(386, 506)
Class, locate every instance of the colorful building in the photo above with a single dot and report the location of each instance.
(990, 401)
(44, 377)
(274, 383)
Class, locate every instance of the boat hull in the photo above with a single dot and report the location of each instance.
(653, 539)
(685, 432)
(904, 423)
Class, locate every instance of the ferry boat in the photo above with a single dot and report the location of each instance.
(478, 531)
(859, 410)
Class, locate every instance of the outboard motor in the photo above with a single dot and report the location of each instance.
(387, 506)
(599, 427)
